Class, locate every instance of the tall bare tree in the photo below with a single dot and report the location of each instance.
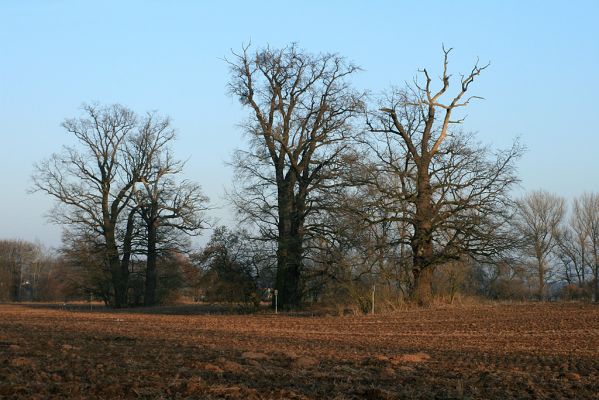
(452, 193)
(540, 215)
(164, 205)
(93, 183)
(301, 111)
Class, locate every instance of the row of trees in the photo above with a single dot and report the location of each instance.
(30, 272)
(550, 238)
(550, 255)
(232, 267)
(339, 193)
(25, 272)
(319, 156)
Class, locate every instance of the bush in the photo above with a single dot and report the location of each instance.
(575, 292)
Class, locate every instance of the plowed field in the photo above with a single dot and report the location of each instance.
(544, 351)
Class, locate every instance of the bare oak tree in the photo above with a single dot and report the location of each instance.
(452, 193)
(540, 215)
(301, 108)
(164, 205)
(93, 183)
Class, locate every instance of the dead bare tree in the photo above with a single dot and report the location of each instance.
(451, 193)
(301, 111)
(540, 215)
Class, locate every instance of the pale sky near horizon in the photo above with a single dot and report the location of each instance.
(168, 56)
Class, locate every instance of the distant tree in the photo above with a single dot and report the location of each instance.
(171, 274)
(19, 269)
(572, 256)
(231, 268)
(30, 272)
(573, 247)
(452, 194)
(539, 218)
(84, 273)
(505, 280)
(348, 256)
(587, 209)
(301, 109)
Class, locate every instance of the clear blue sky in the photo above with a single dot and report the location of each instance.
(167, 56)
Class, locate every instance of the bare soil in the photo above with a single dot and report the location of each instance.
(540, 351)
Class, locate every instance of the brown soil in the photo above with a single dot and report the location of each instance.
(541, 351)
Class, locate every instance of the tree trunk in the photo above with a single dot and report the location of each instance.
(422, 241)
(150, 292)
(119, 283)
(541, 280)
(582, 267)
(126, 257)
(289, 259)
(15, 283)
(422, 292)
(119, 277)
(290, 251)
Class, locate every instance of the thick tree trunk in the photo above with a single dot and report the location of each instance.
(422, 241)
(150, 292)
(119, 277)
(289, 251)
(422, 293)
(422, 266)
(119, 282)
(15, 283)
(126, 257)
(541, 267)
(289, 259)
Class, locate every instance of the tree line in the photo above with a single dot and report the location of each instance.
(339, 193)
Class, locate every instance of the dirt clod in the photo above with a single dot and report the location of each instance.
(251, 355)
(304, 362)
